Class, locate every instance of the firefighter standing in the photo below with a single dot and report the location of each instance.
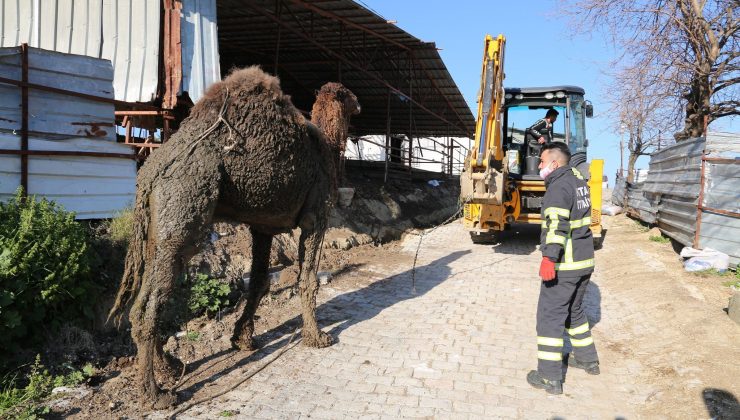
(567, 263)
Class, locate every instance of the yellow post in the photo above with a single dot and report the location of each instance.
(595, 184)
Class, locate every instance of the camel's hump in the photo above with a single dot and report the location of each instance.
(246, 79)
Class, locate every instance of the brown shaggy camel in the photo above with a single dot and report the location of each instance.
(246, 154)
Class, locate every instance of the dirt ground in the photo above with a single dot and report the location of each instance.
(672, 323)
(204, 345)
(662, 333)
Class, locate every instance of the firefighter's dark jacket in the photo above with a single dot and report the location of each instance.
(566, 237)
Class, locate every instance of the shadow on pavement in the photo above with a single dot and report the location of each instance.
(721, 404)
(346, 309)
(520, 239)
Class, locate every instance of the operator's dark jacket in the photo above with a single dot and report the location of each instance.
(566, 215)
(541, 128)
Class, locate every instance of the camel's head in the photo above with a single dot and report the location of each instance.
(337, 91)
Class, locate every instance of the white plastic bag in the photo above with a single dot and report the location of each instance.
(705, 259)
(696, 264)
(611, 210)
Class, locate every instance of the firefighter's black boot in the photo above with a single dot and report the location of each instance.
(592, 368)
(536, 380)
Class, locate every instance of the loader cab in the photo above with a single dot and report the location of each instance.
(524, 106)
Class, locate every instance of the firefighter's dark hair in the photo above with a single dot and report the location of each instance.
(551, 113)
(561, 149)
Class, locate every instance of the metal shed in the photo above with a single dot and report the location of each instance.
(400, 80)
(306, 43)
(165, 54)
(59, 142)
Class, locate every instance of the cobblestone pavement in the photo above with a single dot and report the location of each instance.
(460, 347)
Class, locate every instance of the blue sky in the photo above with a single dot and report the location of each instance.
(539, 52)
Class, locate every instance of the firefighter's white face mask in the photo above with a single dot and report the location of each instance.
(546, 170)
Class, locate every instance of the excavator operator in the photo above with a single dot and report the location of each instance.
(541, 131)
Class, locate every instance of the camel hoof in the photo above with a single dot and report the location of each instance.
(249, 344)
(164, 400)
(319, 340)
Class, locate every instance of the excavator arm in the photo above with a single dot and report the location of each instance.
(483, 179)
(490, 100)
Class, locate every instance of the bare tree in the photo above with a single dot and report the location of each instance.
(691, 47)
(643, 113)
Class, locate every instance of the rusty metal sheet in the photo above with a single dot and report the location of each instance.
(53, 115)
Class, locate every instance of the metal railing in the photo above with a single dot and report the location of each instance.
(399, 154)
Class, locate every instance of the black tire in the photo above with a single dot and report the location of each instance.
(486, 238)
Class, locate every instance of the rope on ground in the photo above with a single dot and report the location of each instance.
(233, 386)
(460, 207)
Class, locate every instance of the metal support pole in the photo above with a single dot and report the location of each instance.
(129, 131)
(165, 129)
(411, 115)
(24, 118)
(341, 52)
(279, 7)
(700, 202)
(387, 135)
(449, 156)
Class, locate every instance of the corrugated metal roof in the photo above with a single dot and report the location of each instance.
(312, 42)
(93, 187)
(126, 32)
(338, 40)
(199, 35)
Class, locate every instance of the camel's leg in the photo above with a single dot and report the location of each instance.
(259, 285)
(177, 222)
(145, 317)
(308, 250)
(313, 225)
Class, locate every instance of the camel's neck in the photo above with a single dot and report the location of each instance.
(330, 120)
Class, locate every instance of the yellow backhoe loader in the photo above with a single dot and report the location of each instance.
(500, 182)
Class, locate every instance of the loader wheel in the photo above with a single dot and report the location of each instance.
(484, 238)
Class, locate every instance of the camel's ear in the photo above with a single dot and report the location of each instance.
(316, 92)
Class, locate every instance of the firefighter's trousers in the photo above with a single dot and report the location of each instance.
(561, 308)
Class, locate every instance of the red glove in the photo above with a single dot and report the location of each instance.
(547, 269)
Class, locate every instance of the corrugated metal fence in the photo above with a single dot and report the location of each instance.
(70, 154)
(126, 32)
(693, 183)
